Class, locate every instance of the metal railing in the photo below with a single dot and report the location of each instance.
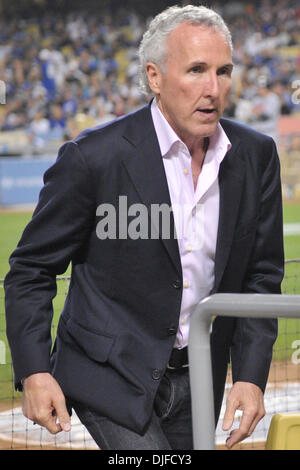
(230, 305)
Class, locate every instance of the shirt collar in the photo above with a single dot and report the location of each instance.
(167, 137)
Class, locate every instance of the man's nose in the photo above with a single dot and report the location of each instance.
(212, 87)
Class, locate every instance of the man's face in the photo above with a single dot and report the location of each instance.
(194, 84)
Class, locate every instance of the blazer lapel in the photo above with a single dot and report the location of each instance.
(146, 170)
(231, 182)
(145, 167)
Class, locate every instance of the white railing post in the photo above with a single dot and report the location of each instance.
(230, 305)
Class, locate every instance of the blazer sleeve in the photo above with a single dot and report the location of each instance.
(251, 352)
(59, 226)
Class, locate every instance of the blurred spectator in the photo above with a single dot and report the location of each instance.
(284, 96)
(103, 116)
(57, 122)
(69, 104)
(266, 110)
(39, 130)
(48, 74)
(263, 111)
(63, 71)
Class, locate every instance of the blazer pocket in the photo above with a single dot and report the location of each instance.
(96, 346)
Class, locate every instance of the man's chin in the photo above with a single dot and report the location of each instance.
(207, 129)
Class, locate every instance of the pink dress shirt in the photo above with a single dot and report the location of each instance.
(196, 213)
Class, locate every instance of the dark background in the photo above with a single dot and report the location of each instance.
(29, 8)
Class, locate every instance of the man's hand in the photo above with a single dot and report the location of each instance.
(247, 397)
(44, 403)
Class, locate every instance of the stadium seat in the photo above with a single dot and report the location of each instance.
(284, 432)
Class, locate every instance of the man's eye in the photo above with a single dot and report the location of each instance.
(197, 69)
(225, 71)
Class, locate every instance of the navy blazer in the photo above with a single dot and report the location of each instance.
(121, 314)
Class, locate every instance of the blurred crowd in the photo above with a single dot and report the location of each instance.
(66, 73)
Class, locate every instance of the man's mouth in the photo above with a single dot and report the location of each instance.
(207, 110)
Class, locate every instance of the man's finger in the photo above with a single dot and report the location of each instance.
(260, 414)
(53, 423)
(234, 438)
(249, 421)
(44, 403)
(62, 414)
(47, 420)
(228, 419)
(244, 430)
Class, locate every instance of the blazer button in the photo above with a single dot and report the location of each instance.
(172, 331)
(177, 284)
(156, 374)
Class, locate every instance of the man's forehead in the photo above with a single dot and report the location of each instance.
(189, 39)
(187, 31)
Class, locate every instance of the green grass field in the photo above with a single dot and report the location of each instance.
(291, 215)
(12, 225)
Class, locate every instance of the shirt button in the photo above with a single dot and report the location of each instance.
(189, 248)
(156, 374)
(185, 171)
(186, 284)
(177, 284)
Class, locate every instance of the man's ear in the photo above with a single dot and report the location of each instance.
(154, 77)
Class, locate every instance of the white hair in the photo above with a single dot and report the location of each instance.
(153, 45)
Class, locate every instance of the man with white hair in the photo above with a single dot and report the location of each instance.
(120, 357)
